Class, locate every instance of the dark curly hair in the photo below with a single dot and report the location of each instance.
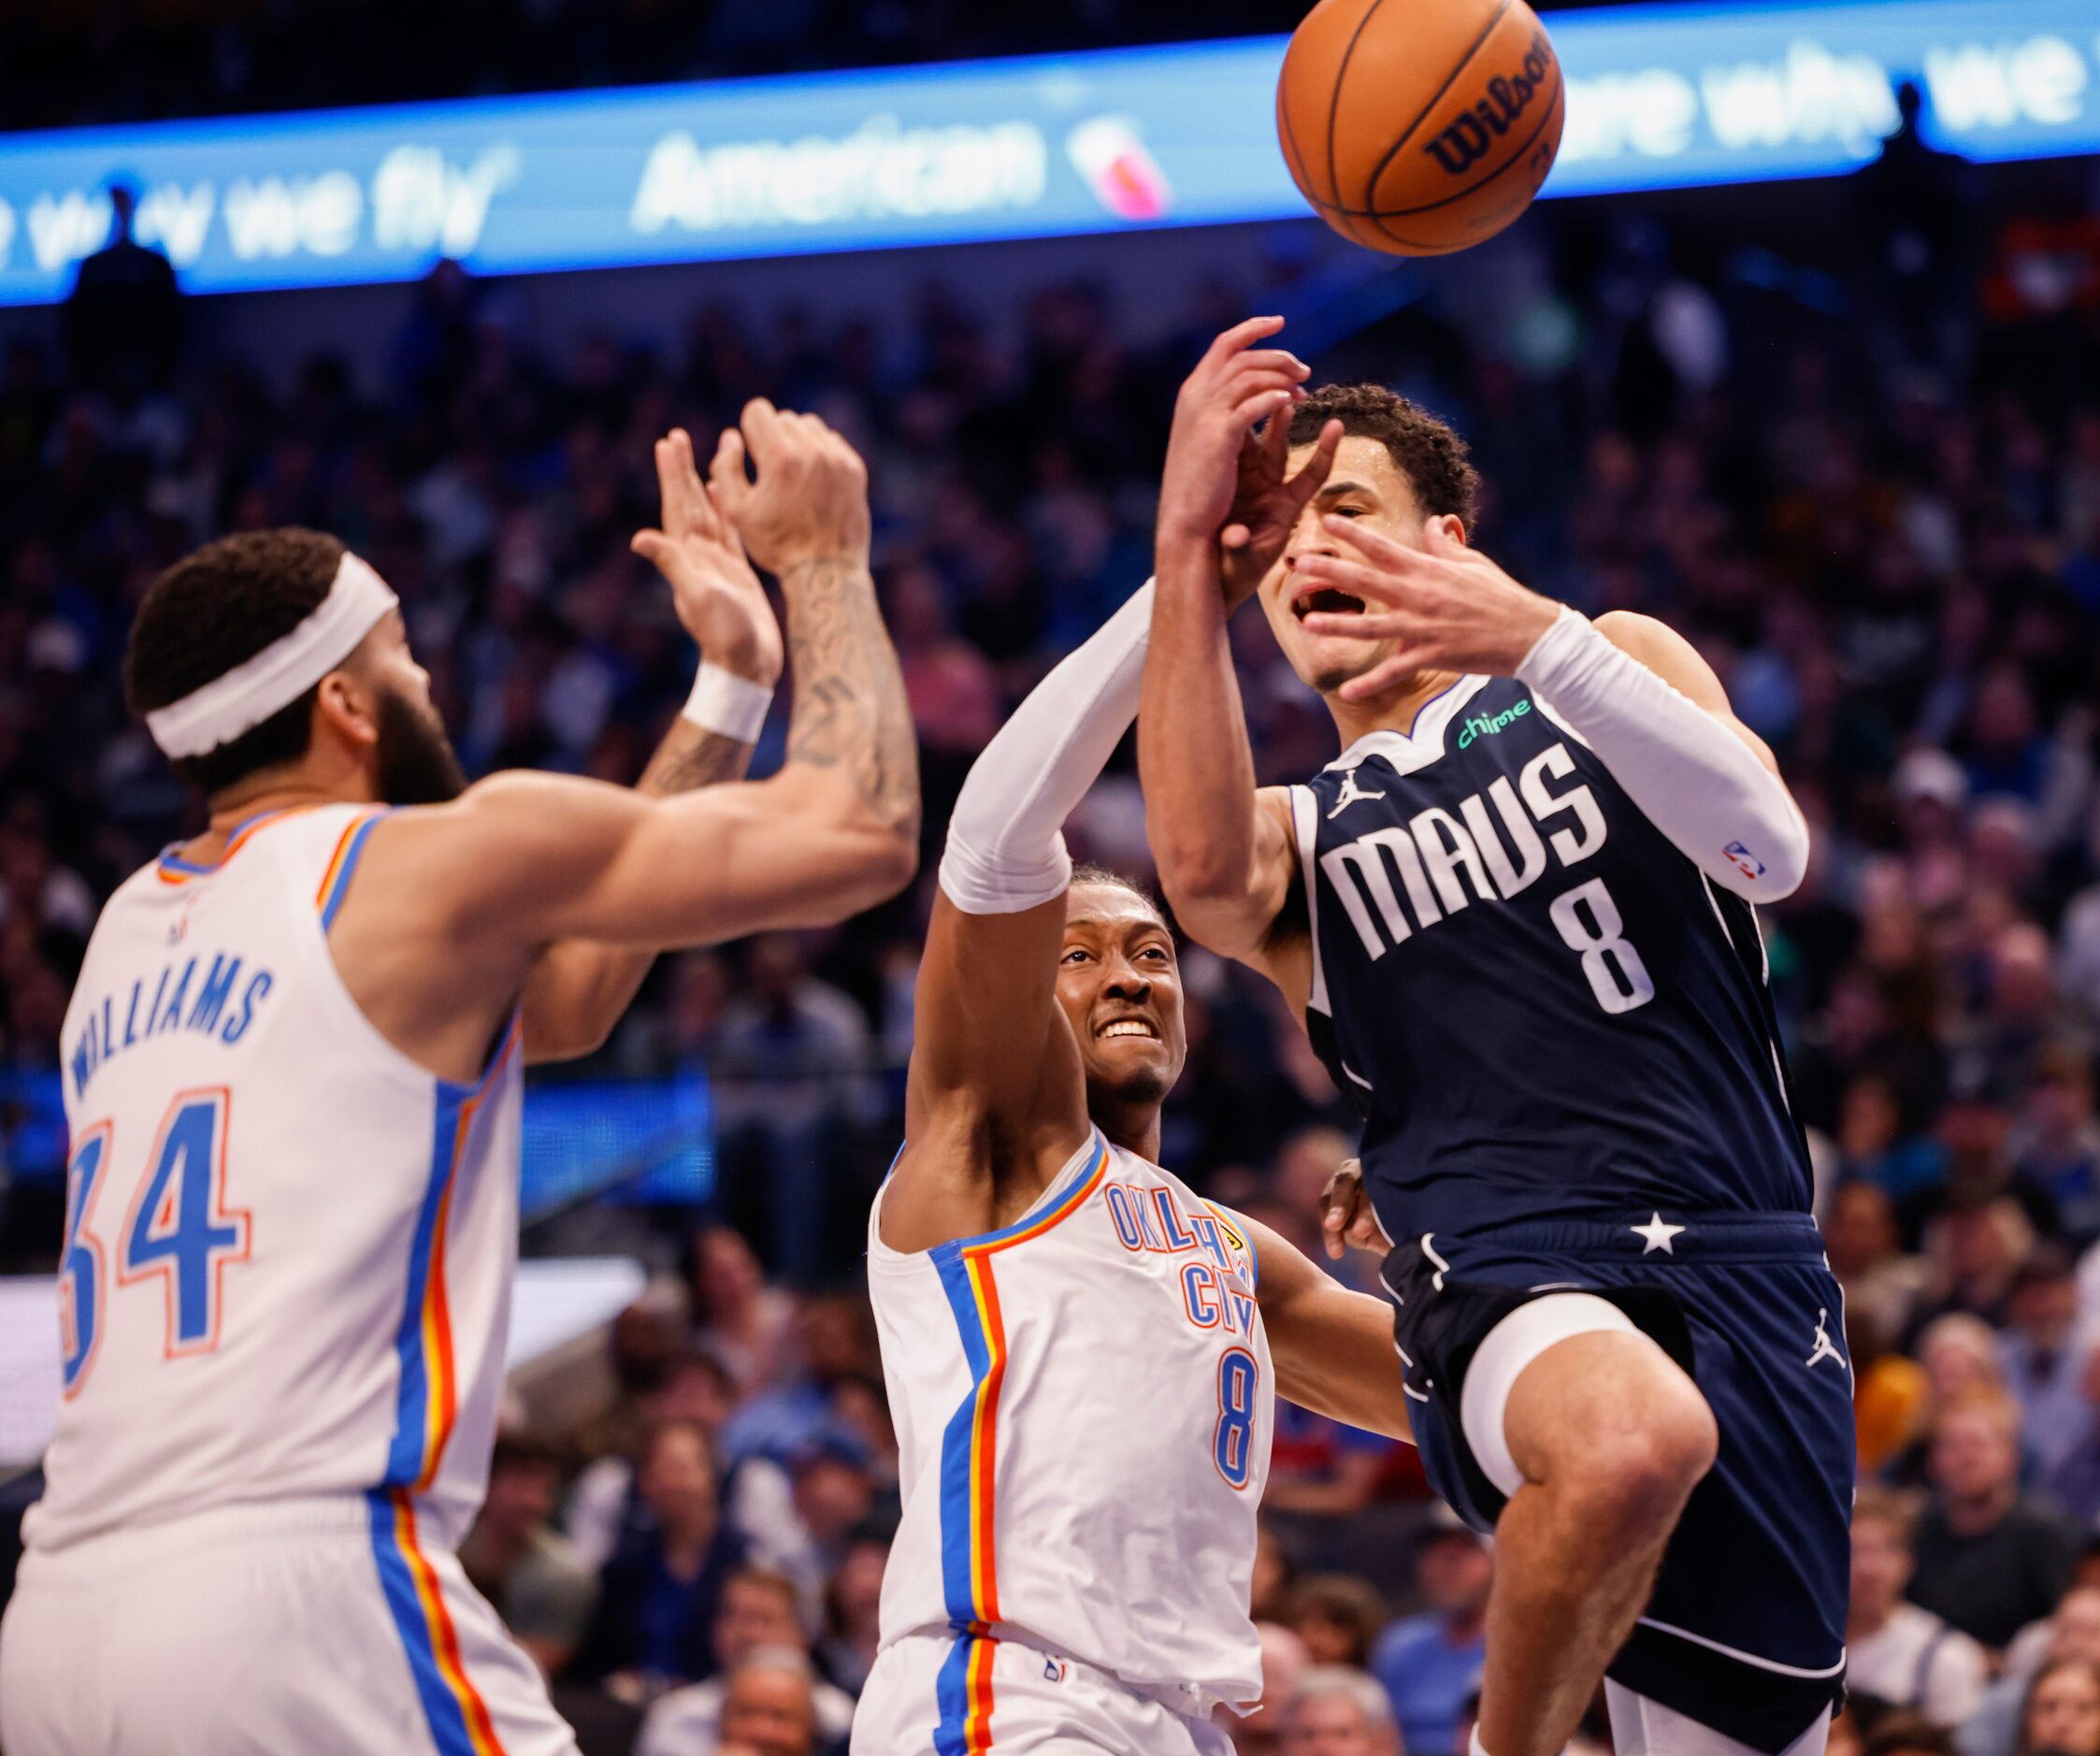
(1426, 452)
(215, 608)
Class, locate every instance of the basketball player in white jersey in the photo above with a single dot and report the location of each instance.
(291, 1083)
(1082, 1354)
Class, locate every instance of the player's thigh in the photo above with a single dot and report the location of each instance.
(1574, 1390)
(1641, 1727)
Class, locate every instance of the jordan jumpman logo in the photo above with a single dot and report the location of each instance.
(1826, 1348)
(1349, 794)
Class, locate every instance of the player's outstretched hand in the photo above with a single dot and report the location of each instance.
(1448, 606)
(1345, 1215)
(1234, 387)
(718, 597)
(1268, 501)
(810, 500)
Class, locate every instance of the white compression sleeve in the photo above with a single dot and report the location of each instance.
(1006, 845)
(1695, 780)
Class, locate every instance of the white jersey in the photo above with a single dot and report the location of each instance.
(288, 1247)
(1083, 1405)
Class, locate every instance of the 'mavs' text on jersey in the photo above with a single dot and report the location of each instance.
(1445, 861)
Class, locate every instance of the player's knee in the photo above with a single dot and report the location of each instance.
(1635, 1473)
(1641, 1472)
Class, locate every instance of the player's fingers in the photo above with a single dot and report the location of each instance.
(1375, 545)
(649, 544)
(1365, 625)
(762, 427)
(727, 473)
(1312, 477)
(1240, 336)
(679, 481)
(1235, 535)
(1262, 403)
(1371, 584)
(1271, 360)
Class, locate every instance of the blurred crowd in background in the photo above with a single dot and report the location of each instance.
(1872, 498)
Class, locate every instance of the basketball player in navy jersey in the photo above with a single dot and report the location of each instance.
(1517, 917)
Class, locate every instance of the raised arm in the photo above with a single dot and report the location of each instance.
(1225, 850)
(1634, 691)
(579, 989)
(522, 860)
(996, 1084)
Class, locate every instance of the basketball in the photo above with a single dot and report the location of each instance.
(1419, 127)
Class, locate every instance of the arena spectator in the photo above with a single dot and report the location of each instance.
(846, 1652)
(693, 1390)
(2062, 1712)
(1430, 1664)
(659, 1594)
(541, 1587)
(770, 1708)
(1336, 1711)
(1990, 1560)
(1336, 1616)
(760, 1614)
(1907, 1735)
(737, 1318)
(2072, 1633)
(2044, 1365)
(1896, 1651)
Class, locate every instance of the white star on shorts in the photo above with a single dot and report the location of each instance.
(1656, 1235)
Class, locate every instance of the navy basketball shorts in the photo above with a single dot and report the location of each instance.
(1745, 1630)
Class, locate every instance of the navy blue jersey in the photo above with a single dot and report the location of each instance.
(1541, 1006)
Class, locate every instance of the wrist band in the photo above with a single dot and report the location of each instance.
(726, 703)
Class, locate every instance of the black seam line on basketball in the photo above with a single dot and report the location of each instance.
(1335, 97)
(1517, 157)
(1370, 187)
(1292, 150)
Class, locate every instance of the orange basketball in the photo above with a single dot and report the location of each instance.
(1420, 126)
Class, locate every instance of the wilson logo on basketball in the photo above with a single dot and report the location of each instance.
(1466, 141)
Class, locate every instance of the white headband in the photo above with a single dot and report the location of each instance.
(283, 672)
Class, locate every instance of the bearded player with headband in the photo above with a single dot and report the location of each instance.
(292, 1087)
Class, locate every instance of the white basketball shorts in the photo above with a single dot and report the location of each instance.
(321, 1626)
(958, 1696)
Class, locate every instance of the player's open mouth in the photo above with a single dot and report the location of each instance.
(1326, 600)
(1128, 1028)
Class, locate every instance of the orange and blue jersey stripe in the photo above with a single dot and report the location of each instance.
(174, 870)
(425, 1406)
(459, 1720)
(969, 1467)
(342, 866)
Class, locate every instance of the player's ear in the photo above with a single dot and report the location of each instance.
(1450, 526)
(344, 704)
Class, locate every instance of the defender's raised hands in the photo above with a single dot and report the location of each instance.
(809, 501)
(718, 597)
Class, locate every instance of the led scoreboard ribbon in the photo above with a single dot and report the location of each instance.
(1659, 96)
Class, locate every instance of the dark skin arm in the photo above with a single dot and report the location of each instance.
(579, 990)
(996, 1099)
(1334, 1348)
